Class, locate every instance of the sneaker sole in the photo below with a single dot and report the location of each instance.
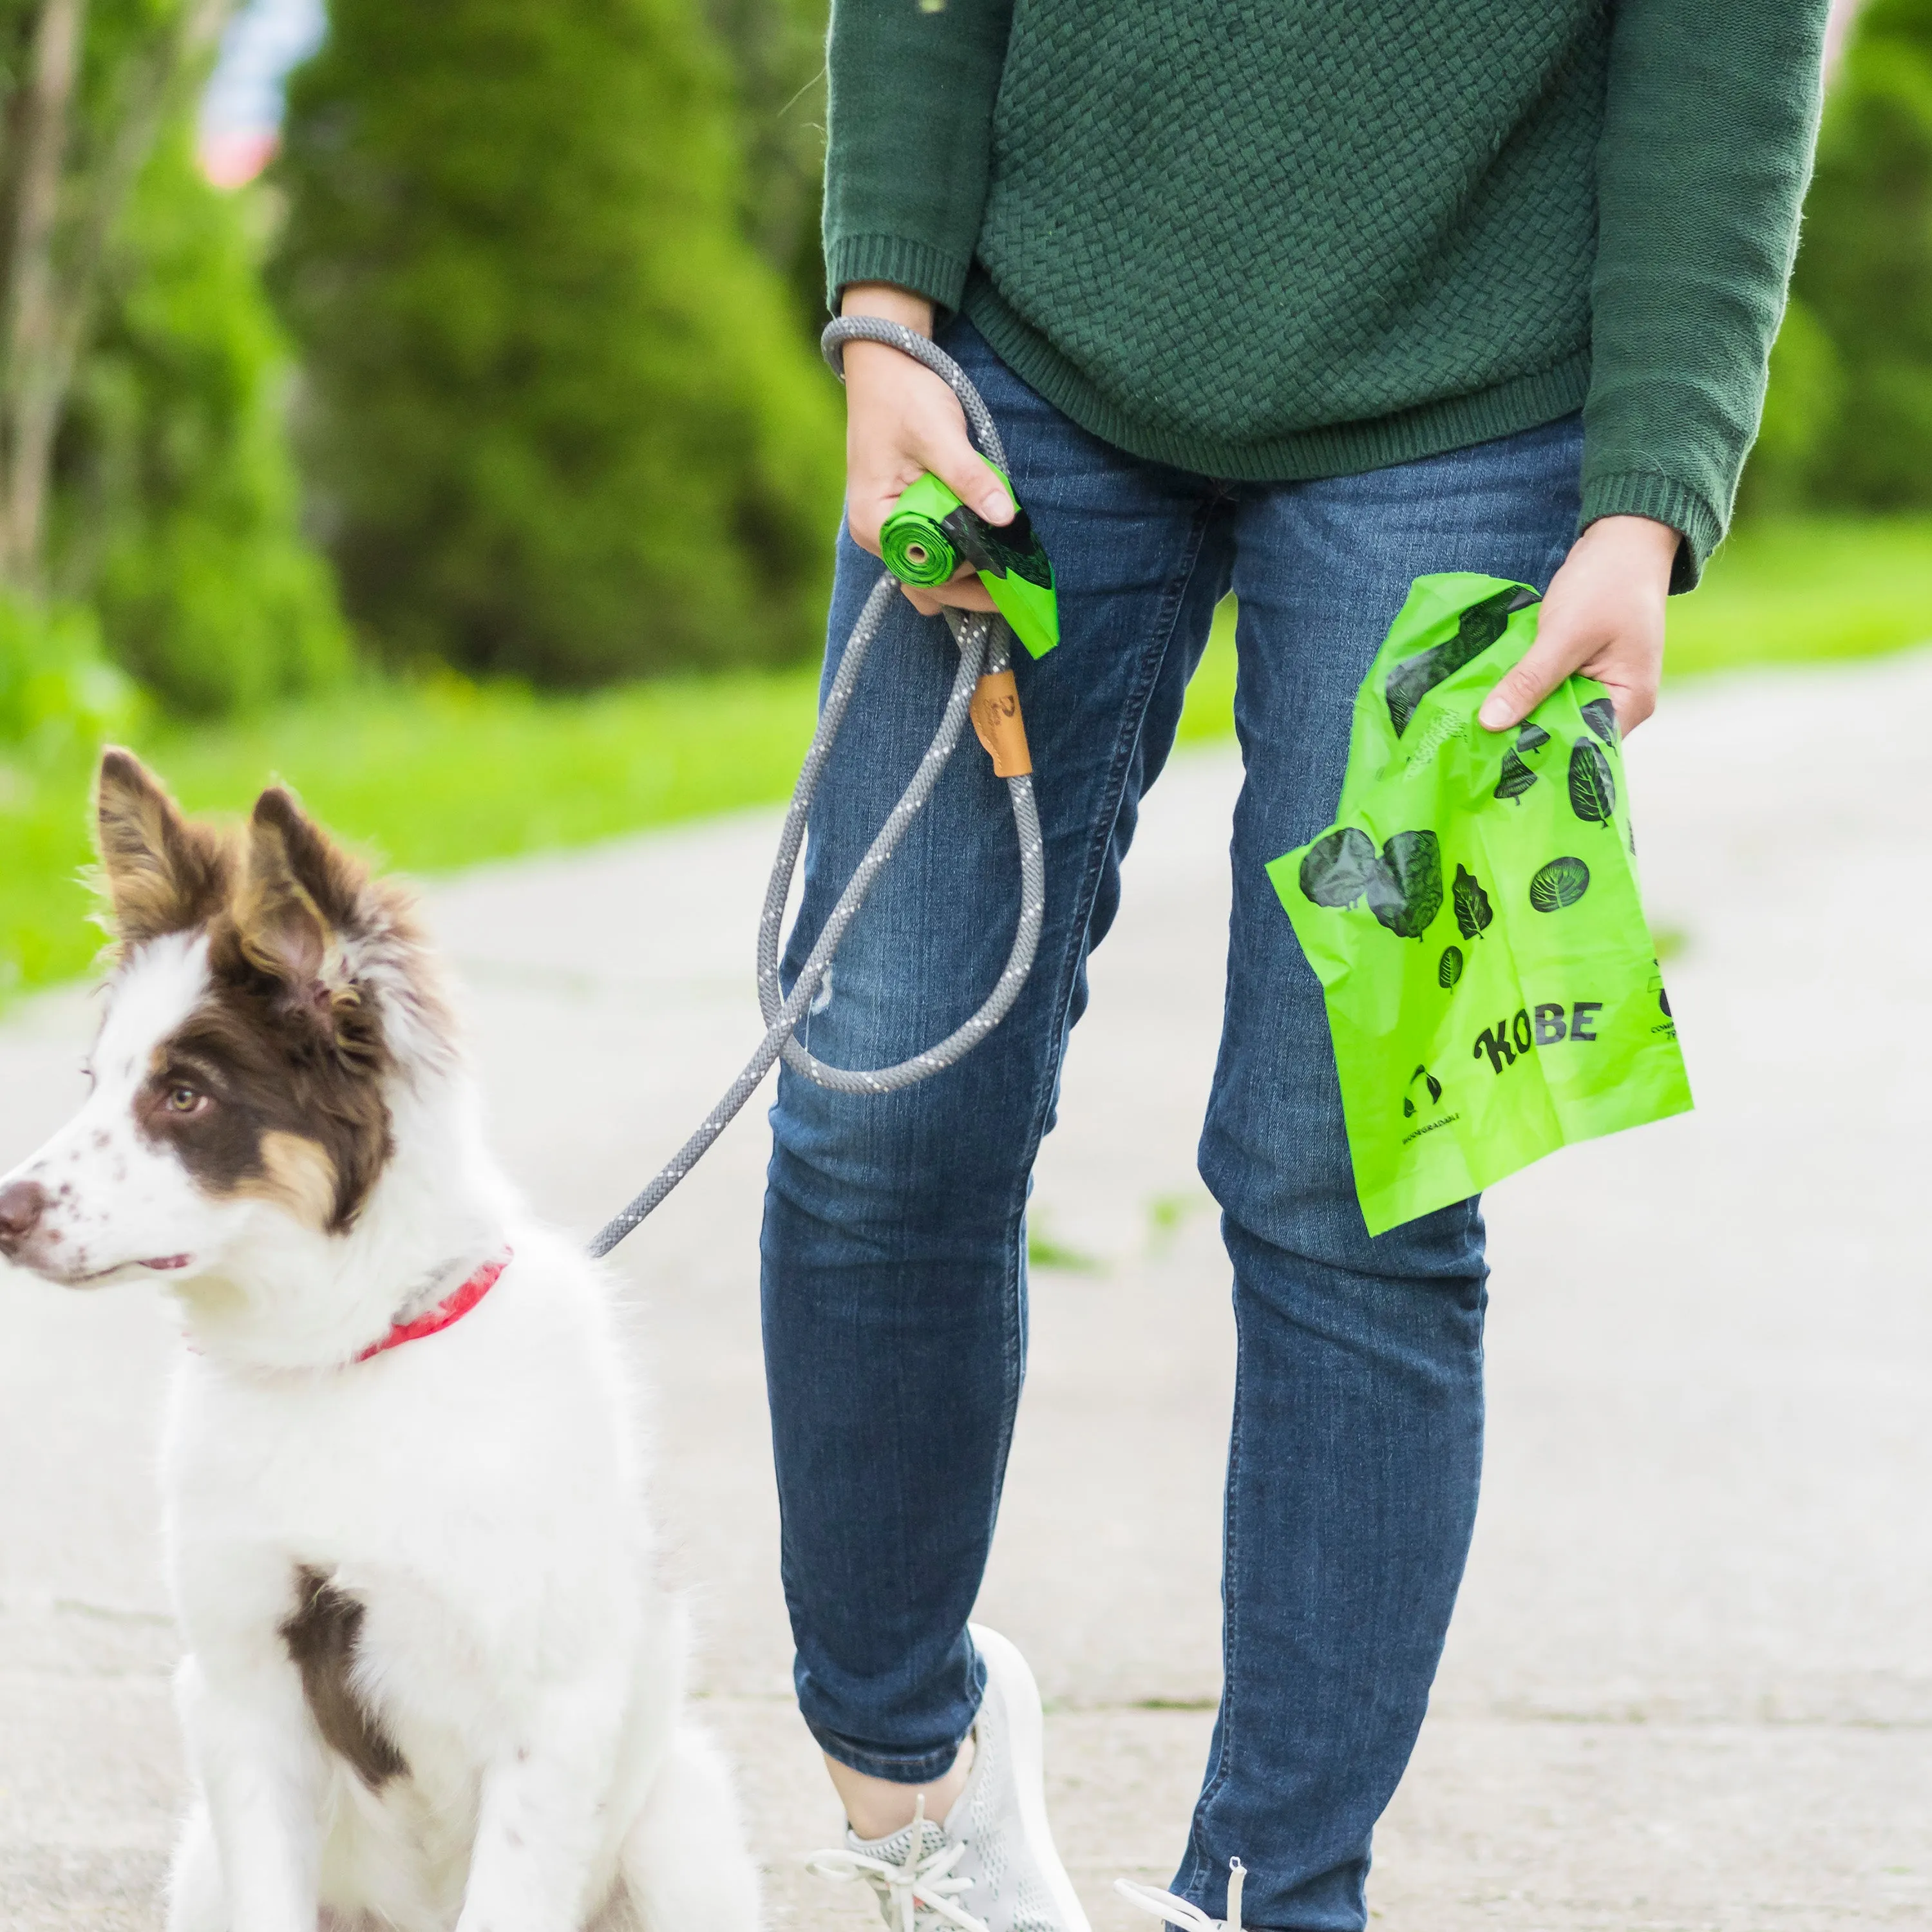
(1026, 1737)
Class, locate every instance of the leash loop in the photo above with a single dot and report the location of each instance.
(984, 648)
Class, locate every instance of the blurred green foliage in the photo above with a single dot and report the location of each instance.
(776, 53)
(1848, 420)
(58, 690)
(149, 502)
(559, 415)
(176, 505)
(1790, 589)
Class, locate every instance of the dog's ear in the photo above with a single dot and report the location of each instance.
(301, 900)
(159, 873)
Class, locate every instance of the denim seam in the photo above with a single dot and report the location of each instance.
(1013, 1339)
(1161, 633)
(1195, 1883)
(1134, 716)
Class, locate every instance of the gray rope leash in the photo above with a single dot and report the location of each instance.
(983, 647)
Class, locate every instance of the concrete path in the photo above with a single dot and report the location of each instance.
(1689, 1685)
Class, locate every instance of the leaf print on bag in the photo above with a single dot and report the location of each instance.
(1600, 715)
(1593, 792)
(1473, 910)
(1482, 624)
(1517, 775)
(1337, 870)
(1561, 883)
(1409, 895)
(1450, 970)
(1515, 779)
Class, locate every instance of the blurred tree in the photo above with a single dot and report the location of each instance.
(560, 416)
(1848, 421)
(176, 509)
(146, 497)
(777, 53)
(83, 106)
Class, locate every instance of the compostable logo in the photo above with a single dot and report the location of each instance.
(1667, 1026)
(1423, 1093)
(1429, 1080)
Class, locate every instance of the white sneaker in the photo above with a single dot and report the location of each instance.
(1164, 1905)
(991, 1866)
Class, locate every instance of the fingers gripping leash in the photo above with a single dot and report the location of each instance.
(982, 689)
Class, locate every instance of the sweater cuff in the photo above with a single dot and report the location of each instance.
(917, 266)
(1638, 492)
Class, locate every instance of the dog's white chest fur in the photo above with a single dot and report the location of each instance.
(472, 1500)
(494, 1457)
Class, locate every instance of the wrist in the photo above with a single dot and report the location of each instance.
(888, 301)
(1641, 544)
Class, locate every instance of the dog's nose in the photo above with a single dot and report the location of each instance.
(22, 1204)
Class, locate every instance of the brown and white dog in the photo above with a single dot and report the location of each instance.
(431, 1679)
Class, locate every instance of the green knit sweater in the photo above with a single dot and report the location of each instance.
(1284, 238)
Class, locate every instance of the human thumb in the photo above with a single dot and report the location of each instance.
(1525, 685)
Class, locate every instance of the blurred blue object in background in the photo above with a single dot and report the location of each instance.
(241, 108)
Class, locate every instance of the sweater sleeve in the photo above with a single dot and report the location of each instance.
(1711, 115)
(910, 85)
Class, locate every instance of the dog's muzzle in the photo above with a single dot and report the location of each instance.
(22, 1203)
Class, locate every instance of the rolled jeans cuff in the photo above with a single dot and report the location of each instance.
(924, 1769)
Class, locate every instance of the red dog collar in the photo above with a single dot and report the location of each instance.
(453, 1307)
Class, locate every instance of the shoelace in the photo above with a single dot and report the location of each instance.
(921, 1888)
(1179, 1912)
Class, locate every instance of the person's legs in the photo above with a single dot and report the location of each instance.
(1357, 1441)
(894, 1272)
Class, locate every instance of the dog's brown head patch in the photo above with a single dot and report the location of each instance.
(275, 1085)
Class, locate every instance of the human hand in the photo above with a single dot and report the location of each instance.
(1603, 616)
(901, 420)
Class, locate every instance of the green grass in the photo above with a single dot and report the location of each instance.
(1800, 590)
(425, 778)
(1210, 710)
(1781, 592)
(432, 776)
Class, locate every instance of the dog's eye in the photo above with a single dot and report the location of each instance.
(183, 1100)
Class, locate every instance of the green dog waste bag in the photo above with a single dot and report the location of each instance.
(1474, 918)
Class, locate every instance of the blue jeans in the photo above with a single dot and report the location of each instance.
(894, 1245)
